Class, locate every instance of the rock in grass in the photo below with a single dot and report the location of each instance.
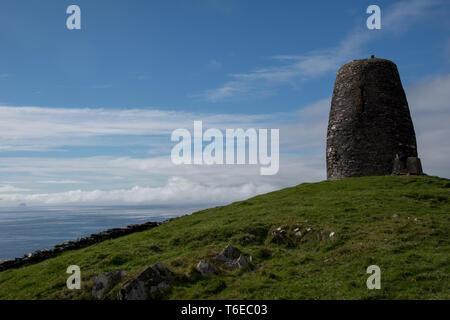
(231, 258)
(149, 284)
(240, 262)
(280, 237)
(228, 254)
(206, 269)
(105, 282)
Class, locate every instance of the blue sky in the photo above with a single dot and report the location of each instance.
(86, 115)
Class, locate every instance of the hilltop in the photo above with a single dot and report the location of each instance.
(400, 223)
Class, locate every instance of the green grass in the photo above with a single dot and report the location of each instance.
(411, 249)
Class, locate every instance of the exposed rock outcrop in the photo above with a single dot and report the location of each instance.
(231, 258)
(105, 282)
(206, 269)
(280, 237)
(150, 284)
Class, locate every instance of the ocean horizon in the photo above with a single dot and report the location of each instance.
(27, 229)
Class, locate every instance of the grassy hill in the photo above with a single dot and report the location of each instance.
(400, 224)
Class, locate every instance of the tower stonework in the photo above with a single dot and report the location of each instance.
(370, 131)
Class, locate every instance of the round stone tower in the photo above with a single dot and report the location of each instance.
(370, 131)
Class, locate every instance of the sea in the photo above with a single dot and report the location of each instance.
(27, 229)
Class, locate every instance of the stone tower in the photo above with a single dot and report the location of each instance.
(370, 131)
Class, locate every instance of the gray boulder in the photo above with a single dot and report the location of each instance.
(105, 282)
(280, 236)
(206, 269)
(228, 254)
(149, 284)
(241, 262)
(231, 258)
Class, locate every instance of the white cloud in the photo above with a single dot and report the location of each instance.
(229, 89)
(185, 185)
(295, 69)
(430, 109)
(19, 147)
(308, 130)
(402, 14)
(156, 180)
(9, 188)
(30, 128)
(144, 178)
(61, 182)
(177, 191)
(431, 94)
